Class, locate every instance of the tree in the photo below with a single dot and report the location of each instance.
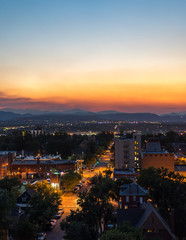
(116, 234)
(70, 180)
(44, 204)
(95, 208)
(10, 184)
(6, 204)
(167, 191)
(25, 230)
(90, 159)
(9, 190)
(78, 231)
(124, 232)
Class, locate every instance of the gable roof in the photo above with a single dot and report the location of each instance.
(137, 216)
(30, 192)
(149, 208)
(132, 189)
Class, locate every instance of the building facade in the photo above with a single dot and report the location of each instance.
(155, 156)
(127, 152)
(133, 209)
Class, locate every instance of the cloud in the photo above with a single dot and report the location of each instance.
(15, 102)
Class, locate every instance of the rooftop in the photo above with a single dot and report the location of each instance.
(132, 189)
(137, 216)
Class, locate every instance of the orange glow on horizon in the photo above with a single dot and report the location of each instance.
(127, 89)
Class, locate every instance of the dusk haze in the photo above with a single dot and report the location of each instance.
(127, 56)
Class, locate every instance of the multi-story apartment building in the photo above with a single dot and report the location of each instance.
(137, 150)
(127, 152)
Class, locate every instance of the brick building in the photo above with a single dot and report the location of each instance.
(6, 158)
(142, 215)
(155, 157)
(41, 164)
(131, 196)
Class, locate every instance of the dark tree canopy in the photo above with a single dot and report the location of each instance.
(167, 191)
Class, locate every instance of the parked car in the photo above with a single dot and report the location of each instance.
(61, 210)
(59, 214)
(77, 188)
(48, 180)
(53, 221)
(25, 183)
(80, 184)
(41, 236)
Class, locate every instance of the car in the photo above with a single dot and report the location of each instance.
(77, 188)
(48, 180)
(83, 180)
(59, 214)
(41, 236)
(25, 183)
(61, 210)
(80, 184)
(53, 222)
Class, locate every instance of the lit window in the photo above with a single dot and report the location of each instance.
(125, 207)
(127, 198)
(149, 230)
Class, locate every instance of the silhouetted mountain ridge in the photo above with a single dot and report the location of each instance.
(82, 115)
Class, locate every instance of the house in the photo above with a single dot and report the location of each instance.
(146, 218)
(24, 198)
(131, 196)
(134, 210)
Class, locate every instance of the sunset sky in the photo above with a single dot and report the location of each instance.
(124, 55)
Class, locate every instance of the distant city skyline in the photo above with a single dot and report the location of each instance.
(128, 56)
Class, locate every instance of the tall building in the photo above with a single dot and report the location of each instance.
(124, 153)
(137, 150)
(127, 152)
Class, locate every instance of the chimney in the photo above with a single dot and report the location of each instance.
(171, 220)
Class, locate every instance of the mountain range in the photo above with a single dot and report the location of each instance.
(82, 115)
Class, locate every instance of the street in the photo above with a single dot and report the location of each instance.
(69, 199)
(69, 202)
